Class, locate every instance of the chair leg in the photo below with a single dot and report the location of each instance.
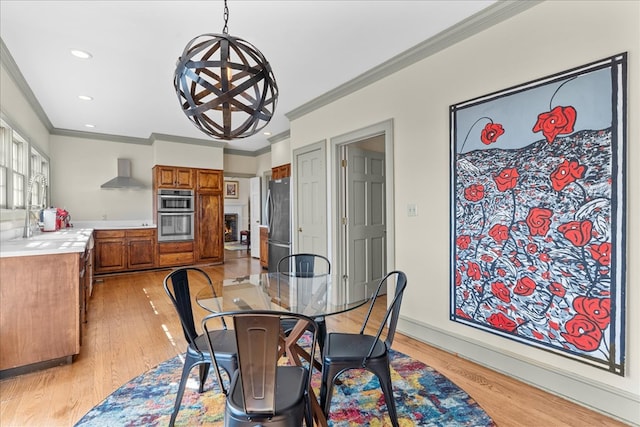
(308, 411)
(189, 363)
(383, 372)
(204, 372)
(326, 387)
(322, 334)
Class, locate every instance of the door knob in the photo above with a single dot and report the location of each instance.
(300, 229)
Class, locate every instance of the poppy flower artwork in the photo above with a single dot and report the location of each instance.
(538, 202)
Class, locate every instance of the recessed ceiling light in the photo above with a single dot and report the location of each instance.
(267, 134)
(89, 126)
(81, 54)
(85, 97)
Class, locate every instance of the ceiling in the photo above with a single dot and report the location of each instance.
(312, 46)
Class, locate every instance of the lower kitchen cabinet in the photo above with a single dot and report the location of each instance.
(41, 306)
(124, 250)
(172, 254)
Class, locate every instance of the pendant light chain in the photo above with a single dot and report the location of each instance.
(225, 30)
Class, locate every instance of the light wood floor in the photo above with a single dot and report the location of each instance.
(132, 327)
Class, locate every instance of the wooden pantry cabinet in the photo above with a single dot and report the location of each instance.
(125, 250)
(209, 235)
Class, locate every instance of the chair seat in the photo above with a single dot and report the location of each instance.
(225, 340)
(343, 346)
(290, 391)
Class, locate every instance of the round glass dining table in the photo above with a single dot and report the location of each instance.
(311, 296)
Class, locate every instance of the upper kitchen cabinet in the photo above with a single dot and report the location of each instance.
(209, 180)
(173, 177)
(282, 171)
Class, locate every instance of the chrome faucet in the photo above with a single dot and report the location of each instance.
(28, 231)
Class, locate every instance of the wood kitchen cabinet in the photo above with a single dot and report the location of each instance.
(171, 254)
(124, 250)
(173, 177)
(281, 171)
(209, 180)
(41, 310)
(208, 243)
(264, 247)
(209, 216)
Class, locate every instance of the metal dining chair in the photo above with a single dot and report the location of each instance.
(176, 285)
(306, 265)
(344, 351)
(261, 392)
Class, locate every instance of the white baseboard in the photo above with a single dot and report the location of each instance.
(599, 397)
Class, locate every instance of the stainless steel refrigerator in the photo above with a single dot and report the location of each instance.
(278, 209)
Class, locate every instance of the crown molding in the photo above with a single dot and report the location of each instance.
(480, 21)
(279, 137)
(185, 140)
(100, 136)
(14, 72)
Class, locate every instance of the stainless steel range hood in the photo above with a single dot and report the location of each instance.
(123, 180)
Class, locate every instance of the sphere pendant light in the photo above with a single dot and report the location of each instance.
(225, 85)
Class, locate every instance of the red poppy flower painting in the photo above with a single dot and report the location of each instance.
(577, 232)
(566, 173)
(491, 132)
(558, 121)
(506, 179)
(538, 214)
(474, 192)
(538, 220)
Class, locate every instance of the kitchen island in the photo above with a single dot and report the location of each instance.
(45, 281)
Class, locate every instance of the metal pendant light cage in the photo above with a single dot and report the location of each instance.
(225, 86)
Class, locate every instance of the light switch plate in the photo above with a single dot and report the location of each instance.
(412, 209)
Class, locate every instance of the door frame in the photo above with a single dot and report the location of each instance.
(383, 128)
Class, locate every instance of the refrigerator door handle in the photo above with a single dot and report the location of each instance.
(267, 210)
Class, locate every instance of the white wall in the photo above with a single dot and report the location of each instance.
(15, 106)
(188, 155)
(234, 163)
(280, 153)
(548, 38)
(80, 166)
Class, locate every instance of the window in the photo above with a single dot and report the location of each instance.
(4, 166)
(19, 162)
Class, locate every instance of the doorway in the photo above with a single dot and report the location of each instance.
(364, 214)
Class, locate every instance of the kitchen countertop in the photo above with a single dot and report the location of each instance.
(114, 225)
(68, 240)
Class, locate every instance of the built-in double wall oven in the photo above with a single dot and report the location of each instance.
(175, 215)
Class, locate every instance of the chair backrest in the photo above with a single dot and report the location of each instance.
(393, 309)
(176, 285)
(260, 346)
(304, 265)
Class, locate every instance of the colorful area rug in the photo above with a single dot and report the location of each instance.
(423, 398)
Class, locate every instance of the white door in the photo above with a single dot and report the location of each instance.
(254, 220)
(365, 221)
(311, 200)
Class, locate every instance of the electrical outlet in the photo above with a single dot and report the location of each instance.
(412, 209)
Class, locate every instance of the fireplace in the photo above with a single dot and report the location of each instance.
(230, 227)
